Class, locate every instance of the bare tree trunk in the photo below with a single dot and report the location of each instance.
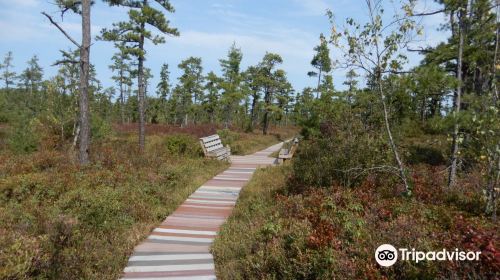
(76, 135)
(491, 192)
(267, 100)
(394, 149)
(422, 110)
(253, 113)
(319, 83)
(186, 119)
(84, 142)
(122, 101)
(495, 58)
(456, 105)
(494, 164)
(140, 83)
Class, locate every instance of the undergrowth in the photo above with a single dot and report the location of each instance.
(61, 221)
(278, 232)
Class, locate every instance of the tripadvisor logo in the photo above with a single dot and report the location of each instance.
(387, 255)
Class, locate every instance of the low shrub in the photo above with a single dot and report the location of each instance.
(100, 128)
(61, 221)
(337, 158)
(228, 137)
(183, 145)
(422, 154)
(22, 138)
(330, 233)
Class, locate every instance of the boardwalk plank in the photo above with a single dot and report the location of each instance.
(179, 248)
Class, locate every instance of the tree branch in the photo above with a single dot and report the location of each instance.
(422, 50)
(64, 61)
(60, 29)
(429, 13)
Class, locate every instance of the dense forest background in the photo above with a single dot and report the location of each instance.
(422, 136)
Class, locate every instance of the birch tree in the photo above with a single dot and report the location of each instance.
(462, 17)
(377, 49)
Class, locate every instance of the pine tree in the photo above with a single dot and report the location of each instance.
(8, 75)
(122, 78)
(212, 96)
(230, 84)
(284, 93)
(191, 88)
(31, 77)
(269, 84)
(252, 80)
(321, 61)
(163, 89)
(83, 8)
(130, 37)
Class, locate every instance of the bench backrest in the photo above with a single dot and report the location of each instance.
(211, 143)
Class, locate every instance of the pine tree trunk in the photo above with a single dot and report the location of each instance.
(253, 113)
(84, 141)
(422, 110)
(122, 101)
(319, 83)
(267, 99)
(456, 104)
(140, 82)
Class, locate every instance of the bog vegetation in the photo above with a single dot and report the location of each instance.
(407, 156)
(411, 158)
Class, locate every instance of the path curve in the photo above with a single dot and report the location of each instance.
(179, 248)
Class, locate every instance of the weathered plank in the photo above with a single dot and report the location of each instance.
(179, 248)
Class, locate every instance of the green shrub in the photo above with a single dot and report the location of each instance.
(337, 159)
(428, 155)
(228, 137)
(436, 125)
(99, 128)
(183, 145)
(22, 138)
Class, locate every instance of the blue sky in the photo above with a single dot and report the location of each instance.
(208, 28)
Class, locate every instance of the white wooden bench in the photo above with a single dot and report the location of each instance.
(212, 147)
(285, 154)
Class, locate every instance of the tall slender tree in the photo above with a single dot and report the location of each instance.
(212, 96)
(122, 78)
(191, 87)
(269, 84)
(83, 8)
(321, 61)
(231, 92)
(31, 77)
(375, 48)
(458, 93)
(8, 75)
(163, 89)
(131, 36)
(252, 80)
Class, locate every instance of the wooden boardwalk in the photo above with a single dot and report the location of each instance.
(179, 248)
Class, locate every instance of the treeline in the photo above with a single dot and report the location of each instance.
(256, 97)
